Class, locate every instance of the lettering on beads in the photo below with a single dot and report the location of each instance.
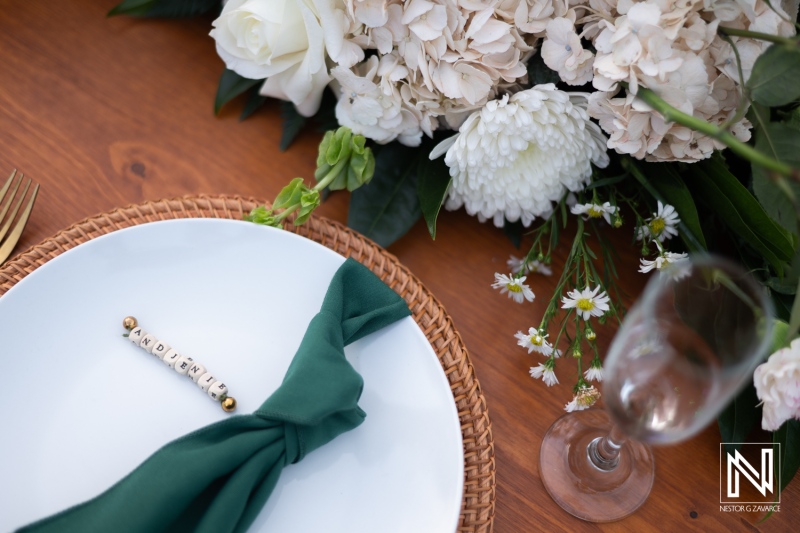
(183, 365)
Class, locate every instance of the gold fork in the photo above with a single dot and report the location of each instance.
(9, 240)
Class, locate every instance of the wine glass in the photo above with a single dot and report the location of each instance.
(682, 353)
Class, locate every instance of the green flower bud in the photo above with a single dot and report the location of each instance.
(308, 202)
(540, 257)
(344, 161)
(576, 352)
(262, 215)
(618, 221)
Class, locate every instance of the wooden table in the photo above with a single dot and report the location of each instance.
(108, 112)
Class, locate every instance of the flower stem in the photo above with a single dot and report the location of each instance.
(329, 177)
(757, 35)
(286, 212)
(744, 150)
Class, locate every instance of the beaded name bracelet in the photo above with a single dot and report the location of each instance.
(183, 365)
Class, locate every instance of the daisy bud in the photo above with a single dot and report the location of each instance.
(576, 352)
(618, 221)
(590, 334)
(540, 257)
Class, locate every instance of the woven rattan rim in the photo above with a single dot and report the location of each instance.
(477, 506)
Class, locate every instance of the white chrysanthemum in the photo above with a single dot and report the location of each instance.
(674, 265)
(516, 156)
(515, 287)
(587, 303)
(515, 265)
(595, 210)
(661, 226)
(545, 372)
(534, 341)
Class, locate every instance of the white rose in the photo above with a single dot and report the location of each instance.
(778, 386)
(280, 40)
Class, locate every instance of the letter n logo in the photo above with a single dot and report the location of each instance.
(738, 464)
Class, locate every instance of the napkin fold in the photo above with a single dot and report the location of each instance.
(218, 478)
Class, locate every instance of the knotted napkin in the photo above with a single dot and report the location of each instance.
(218, 478)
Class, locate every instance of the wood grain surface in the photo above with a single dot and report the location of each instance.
(108, 112)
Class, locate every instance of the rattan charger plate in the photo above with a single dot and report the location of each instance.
(477, 506)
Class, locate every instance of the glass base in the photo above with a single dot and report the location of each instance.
(580, 487)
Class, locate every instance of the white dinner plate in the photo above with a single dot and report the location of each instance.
(82, 406)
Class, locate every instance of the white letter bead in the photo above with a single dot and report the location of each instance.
(171, 357)
(160, 349)
(147, 343)
(196, 371)
(216, 390)
(136, 335)
(183, 364)
(205, 381)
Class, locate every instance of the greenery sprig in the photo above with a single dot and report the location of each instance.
(344, 162)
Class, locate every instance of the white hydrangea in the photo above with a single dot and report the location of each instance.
(366, 108)
(516, 156)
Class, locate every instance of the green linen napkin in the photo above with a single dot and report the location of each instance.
(218, 478)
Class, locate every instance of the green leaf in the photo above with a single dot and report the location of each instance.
(741, 212)
(514, 231)
(290, 194)
(164, 8)
(293, 124)
(664, 184)
(781, 142)
(775, 79)
(136, 8)
(253, 104)
(780, 336)
(788, 435)
(432, 184)
(794, 318)
(230, 86)
(539, 73)
(385, 210)
(738, 419)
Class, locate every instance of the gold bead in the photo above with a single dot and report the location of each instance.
(229, 404)
(129, 322)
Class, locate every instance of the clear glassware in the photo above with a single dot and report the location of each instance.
(683, 352)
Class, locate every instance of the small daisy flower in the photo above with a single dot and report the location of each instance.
(515, 287)
(534, 341)
(544, 371)
(661, 226)
(606, 210)
(587, 303)
(674, 265)
(537, 267)
(595, 372)
(584, 399)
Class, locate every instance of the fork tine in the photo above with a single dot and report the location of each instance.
(13, 238)
(13, 214)
(7, 185)
(10, 198)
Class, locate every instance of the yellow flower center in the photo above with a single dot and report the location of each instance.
(537, 340)
(657, 225)
(584, 304)
(513, 287)
(593, 212)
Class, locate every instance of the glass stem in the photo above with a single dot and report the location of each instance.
(604, 451)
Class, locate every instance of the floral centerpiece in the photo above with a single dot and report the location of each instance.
(674, 120)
